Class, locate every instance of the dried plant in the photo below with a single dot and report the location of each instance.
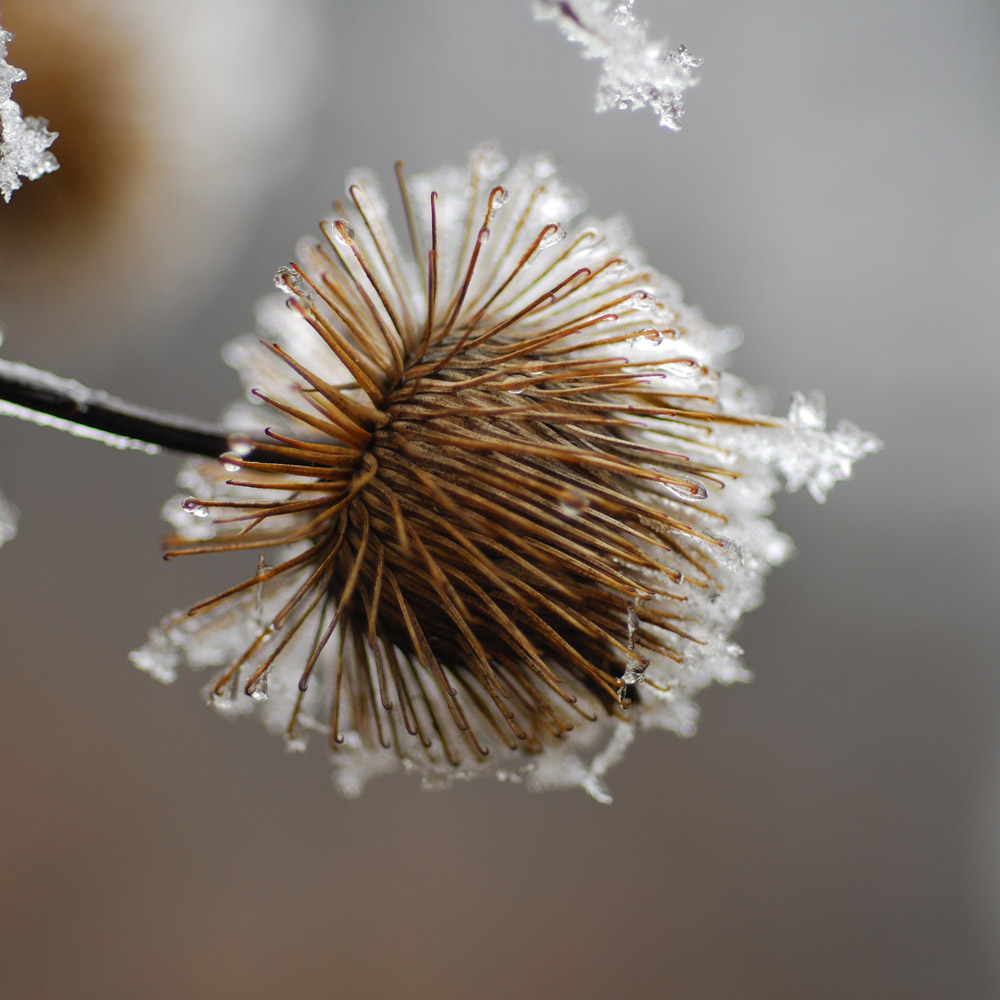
(498, 487)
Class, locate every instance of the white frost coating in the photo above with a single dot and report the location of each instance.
(804, 452)
(81, 397)
(636, 72)
(24, 142)
(8, 520)
(668, 341)
(118, 441)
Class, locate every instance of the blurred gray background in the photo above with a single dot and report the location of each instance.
(833, 831)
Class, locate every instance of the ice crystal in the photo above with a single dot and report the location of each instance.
(24, 142)
(8, 520)
(636, 72)
(804, 451)
(513, 509)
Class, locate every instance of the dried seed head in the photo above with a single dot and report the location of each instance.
(499, 516)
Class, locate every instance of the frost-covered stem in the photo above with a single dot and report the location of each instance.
(47, 399)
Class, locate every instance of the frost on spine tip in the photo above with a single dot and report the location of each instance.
(636, 72)
(24, 142)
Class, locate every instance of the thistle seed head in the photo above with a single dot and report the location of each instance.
(493, 489)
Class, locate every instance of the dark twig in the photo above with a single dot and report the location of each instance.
(49, 400)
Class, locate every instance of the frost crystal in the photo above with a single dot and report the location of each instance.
(515, 507)
(636, 72)
(804, 452)
(8, 520)
(24, 142)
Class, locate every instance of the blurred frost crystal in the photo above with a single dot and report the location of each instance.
(517, 505)
(8, 520)
(24, 142)
(636, 72)
(179, 116)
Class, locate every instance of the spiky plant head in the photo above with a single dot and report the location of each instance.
(496, 491)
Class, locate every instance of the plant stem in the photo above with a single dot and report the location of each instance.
(47, 399)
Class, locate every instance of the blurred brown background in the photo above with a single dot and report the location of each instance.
(834, 829)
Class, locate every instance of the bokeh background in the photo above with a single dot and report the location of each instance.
(833, 831)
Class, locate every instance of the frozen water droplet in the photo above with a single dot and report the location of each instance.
(635, 668)
(286, 279)
(241, 444)
(632, 619)
(686, 489)
(259, 691)
(573, 503)
(652, 336)
(230, 461)
(726, 552)
(498, 199)
(643, 301)
(723, 551)
(344, 232)
(484, 234)
(551, 235)
(295, 743)
(196, 507)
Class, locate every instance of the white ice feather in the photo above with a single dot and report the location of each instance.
(24, 142)
(635, 72)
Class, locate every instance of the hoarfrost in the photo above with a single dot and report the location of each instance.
(82, 398)
(636, 72)
(8, 520)
(804, 452)
(24, 142)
